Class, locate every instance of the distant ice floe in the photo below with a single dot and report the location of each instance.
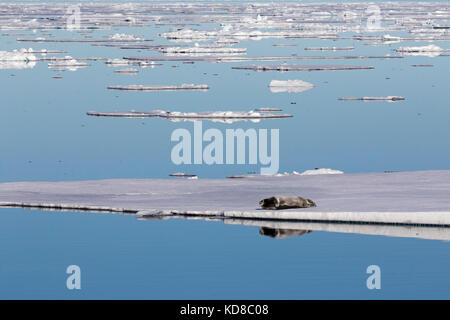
(316, 171)
(123, 62)
(68, 63)
(127, 71)
(329, 48)
(123, 36)
(159, 88)
(183, 175)
(388, 98)
(320, 171)
(17, 59)
(18, 55)
(197, 49)
(189, 35)
(294, 86)
(428, 51)
(296, 67)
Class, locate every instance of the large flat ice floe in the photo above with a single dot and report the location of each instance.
(408, 198)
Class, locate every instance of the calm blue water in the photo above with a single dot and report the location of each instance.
(45, 134)
(121, 258)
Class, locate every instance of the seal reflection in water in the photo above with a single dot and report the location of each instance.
(286, 202)
(281, 233)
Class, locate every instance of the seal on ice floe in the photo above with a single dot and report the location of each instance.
(286, 202)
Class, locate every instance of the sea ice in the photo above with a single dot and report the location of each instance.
(428, 51)
(123, 36)
(320, 171)
(158, 88)
(289, 86)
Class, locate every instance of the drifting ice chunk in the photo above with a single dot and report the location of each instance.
(388, 37)
(321, 171)
(388, 98)
(156, 88)
(127, 71)
(428, 51)
(268, 109)
(202, 49)
(216, 116)
(295, 67)
(18, 55)
(330, 48)
(182, 175)
(123, 36)
(430, 48)
(17, 59)
(290, 86)
(67, 64)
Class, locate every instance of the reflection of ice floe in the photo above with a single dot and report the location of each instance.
(278, 233)
(215, 116)
(388, 98)
(17, 59)
(428, 51)
(17, 64)
(158, 88)
(268, 109)
(289, 86)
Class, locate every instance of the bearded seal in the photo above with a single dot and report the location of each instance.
(286, 202)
